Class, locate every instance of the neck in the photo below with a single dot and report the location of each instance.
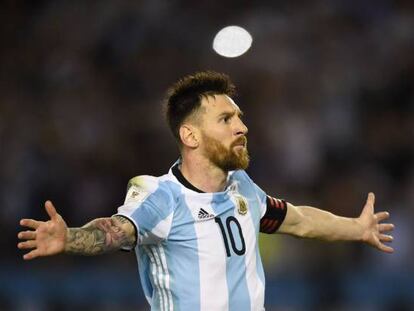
(203, 174)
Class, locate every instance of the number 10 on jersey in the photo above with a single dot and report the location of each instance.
(229, 220)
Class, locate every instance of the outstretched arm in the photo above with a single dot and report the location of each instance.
(52, 237)
(310, 222)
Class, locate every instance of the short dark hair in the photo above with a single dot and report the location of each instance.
(184, 97)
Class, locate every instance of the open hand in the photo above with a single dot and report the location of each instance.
(373, 230)
(47, 237)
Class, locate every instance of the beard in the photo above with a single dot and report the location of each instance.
(224, 158)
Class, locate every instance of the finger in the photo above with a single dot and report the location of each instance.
(50, 209)
(385, 227)
(386, 238)
(27, 244)
(382, 216)
(385, 248)
(371, 198)
(27, 235)
(369, 205)
(31, 255)
(30, 223)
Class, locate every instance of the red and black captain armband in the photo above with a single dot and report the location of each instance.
(275, 214)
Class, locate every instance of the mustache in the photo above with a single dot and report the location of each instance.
(240, 141)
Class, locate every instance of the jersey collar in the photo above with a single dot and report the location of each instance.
(182, 180)
(180, 177)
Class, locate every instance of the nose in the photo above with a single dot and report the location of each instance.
(241, 128)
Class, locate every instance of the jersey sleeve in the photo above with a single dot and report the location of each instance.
(148, 205)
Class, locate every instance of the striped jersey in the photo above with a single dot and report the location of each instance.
(196, 250)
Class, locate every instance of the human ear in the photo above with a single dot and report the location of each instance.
(188, 136)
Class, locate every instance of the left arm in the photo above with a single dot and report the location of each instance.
(310, 222)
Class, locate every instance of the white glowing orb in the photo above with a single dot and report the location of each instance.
(232, 41)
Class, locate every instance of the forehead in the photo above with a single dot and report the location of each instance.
(218, 104)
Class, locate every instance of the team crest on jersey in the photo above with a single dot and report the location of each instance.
(241, 205)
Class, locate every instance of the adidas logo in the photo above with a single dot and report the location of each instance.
(203, 214)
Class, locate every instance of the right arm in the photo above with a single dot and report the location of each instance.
(102, 235)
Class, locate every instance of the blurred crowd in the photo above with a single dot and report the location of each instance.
(328, 93)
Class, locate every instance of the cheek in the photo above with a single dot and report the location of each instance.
(223, 139)
(216, 139)
(221, 132)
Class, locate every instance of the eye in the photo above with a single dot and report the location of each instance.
(225, 119)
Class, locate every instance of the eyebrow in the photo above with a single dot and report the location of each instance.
(231, 113)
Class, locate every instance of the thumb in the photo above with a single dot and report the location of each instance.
(50, 209)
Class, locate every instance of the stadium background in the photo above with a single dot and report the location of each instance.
(327, 88)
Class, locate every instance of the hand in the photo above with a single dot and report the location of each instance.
(47, 238)
(373, 230)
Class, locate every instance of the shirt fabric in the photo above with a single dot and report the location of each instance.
(196, 250)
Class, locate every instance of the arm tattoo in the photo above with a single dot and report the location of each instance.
(99, 236)
(121, 219)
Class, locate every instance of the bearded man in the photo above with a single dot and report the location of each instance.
(195, 229)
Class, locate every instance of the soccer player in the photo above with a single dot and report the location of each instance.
(195, 229)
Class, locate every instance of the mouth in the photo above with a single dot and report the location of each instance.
(240, 143)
